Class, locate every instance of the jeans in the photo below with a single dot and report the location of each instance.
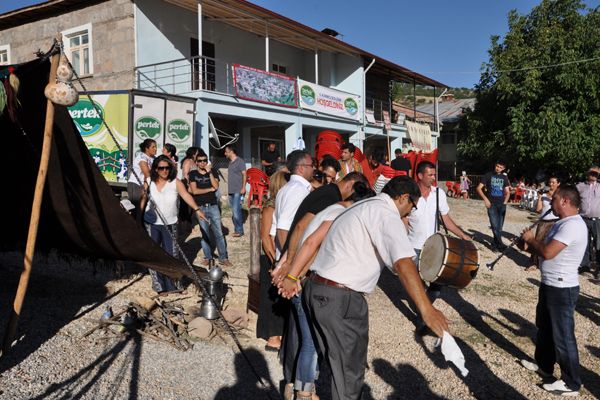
(593, 247)
(496, 214)
(161, 235)
(213, 225)
(556, 333)
(307, 369)
(236, 212)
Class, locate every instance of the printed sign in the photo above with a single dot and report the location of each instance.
(264, 87)
(179, 128)
(329, 101)
(420, 136)
(87, 117)
(148, 121)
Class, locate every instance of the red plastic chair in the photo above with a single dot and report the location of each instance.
(450, 188)
(328, 147)
(259, 186)
(519, 192)
(456, 189)
(332, 136)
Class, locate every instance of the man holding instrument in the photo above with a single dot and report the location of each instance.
(561, 254)
(422, 222)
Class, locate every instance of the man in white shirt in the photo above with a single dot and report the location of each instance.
(423, 221)
(590, 211)
(360, 242)
(561, 254)
(300, 165)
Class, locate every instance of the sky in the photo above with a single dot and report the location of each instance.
(444, 40)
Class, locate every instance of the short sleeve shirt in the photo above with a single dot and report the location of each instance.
(270, 157)
(314, 203)
(234, 175)
(203, 182)
(562, 270)
(422, 221)
(361, 241)
(494, 185)
(136, 167)
(401, 164)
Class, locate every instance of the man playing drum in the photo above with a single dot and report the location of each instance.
(423, 221)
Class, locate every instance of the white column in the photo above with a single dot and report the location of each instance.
(267, 48)
(200, 61)
(201, 137)
(317, 66)
(291, 136)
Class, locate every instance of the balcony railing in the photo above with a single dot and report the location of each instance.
(186, 75)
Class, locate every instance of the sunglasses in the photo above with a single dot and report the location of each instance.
(414, 206)
(163, 168)
(318, 175)
(199, 160)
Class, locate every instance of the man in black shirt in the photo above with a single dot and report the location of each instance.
(497, 187)
(400, 163)
(204, 182)
(269, 159)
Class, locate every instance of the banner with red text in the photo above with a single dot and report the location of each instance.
(328, 101)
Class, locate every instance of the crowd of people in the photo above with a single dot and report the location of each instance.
(327, 234)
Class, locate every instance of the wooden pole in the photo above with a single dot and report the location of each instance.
(13, 321)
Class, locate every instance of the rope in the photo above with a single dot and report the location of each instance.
(152, 204)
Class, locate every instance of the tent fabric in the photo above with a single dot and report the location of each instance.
(80, 214)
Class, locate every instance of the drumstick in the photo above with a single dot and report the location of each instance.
(491, 265)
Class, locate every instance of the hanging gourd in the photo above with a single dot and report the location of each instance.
(62, 92)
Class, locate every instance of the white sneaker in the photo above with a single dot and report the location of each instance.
(531, 366)
(559, 388)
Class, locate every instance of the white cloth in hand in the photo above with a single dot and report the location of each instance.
(452, 352)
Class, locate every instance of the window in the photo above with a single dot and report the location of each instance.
(5, 55)
(78, 47)
(279, 68)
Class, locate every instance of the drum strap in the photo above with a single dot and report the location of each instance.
(438, 215)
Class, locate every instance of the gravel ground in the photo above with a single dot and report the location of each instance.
(492, 321)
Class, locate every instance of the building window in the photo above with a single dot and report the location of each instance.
(78, 47)
(279, 68)
(5, 55)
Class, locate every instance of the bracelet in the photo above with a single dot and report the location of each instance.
(292, 277)
(197, 209)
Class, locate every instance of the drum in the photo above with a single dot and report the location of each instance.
(448, 261)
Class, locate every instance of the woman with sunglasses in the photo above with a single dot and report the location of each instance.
(161, 215)
(204, 183)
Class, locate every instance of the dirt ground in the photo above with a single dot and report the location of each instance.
(493, 321)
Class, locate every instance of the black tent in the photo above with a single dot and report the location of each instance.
(80, 213)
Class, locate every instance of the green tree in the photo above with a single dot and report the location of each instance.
(536, 106)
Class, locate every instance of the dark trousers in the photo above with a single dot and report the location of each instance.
(556, 333)
(341, 321)
(496, 214)
(272, 308)
(593, 246)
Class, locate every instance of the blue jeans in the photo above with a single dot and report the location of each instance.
(212, 233)
(556, 333)
(236, 212)
(160, 234)
(307, 369)
(496, 214)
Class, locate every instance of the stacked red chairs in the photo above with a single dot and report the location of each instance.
(259, 186)
(328, 143)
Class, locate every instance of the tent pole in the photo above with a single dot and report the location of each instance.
(13, 321)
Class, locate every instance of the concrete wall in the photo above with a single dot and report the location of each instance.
(112, 41)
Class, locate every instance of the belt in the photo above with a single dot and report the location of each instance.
(592, 218)
(206, 205)
(318, 278)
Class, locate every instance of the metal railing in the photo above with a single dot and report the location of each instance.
(186, 75)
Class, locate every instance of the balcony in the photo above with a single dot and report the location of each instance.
(186, 75)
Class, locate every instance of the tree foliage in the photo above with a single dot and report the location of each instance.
(532, 115)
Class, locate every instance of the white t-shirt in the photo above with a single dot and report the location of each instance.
(421, 222)
(136, 167)
(546, 200)
(167, 202)
(365, 238)
(562, 270)
(328, 214)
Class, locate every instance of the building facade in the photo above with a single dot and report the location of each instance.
(253, 72)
